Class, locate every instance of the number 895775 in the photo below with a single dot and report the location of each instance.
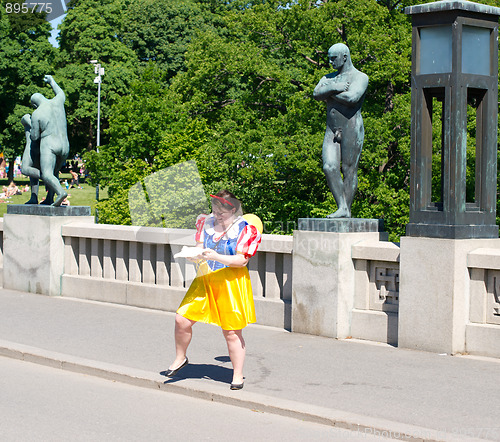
(16, 8)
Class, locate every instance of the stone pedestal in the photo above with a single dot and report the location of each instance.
(434, 292)
(323, 273)
(34, 246)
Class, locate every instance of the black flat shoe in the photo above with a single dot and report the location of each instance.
(173, 372)
(237, 386)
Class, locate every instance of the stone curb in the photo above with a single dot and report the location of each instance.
(244, 399)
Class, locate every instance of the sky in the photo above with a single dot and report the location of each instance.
(55, 32)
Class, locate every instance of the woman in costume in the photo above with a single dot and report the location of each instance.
(221, 293)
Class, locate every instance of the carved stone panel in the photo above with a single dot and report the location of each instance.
(493, 298)
(384, 286)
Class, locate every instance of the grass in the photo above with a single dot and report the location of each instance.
(77, 197)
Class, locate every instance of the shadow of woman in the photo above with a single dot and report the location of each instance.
(203, 371)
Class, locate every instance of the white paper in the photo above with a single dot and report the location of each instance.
(189, 252)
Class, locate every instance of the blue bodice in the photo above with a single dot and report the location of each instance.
(225, 246)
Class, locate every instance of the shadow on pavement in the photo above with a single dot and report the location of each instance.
(202, 371)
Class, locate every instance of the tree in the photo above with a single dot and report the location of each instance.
(247, 94)
(159, 31)
(254, 85)
(90, 31)
(243, 108)
(25, 56)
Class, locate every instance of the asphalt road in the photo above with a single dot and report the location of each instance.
(39, 403)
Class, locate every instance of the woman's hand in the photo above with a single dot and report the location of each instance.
(237, 260)
(200, 256)
(206, 254)
(210, 255)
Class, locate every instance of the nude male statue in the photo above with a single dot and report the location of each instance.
(344, 93)
(47, 146)
(30, 164)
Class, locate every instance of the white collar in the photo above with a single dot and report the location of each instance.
(231, 233)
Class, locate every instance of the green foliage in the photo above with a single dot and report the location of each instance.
(138, 119)
(172, 197)
(183, 145)
(115, 209)
(30, 23)
(384, 174)
(25, 56)
(91, 31)
(159, 31)
(254, 87)
(227, 84)
(243, 109)
(437, 143)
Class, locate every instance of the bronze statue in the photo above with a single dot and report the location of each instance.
(47, 144)
(344, 93)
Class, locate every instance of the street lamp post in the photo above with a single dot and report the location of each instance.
(99, 71)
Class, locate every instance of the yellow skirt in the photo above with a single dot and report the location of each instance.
(223, 297)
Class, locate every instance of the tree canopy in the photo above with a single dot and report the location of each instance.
(25, 55)
(242, 108)
(227, 84)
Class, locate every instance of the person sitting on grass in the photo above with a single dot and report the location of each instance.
(11, 190)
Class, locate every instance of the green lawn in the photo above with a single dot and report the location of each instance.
(77, 197)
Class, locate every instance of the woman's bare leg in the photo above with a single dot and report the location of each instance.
(236, 349)
(183, 335)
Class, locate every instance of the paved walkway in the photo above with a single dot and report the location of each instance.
(365, 387)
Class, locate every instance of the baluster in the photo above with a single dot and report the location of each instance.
(176, 278)
(257, 276)
(83, 256)
(287, 277)
(134, 265)
(70, 255)
(148, 274)
(122, 261)
(162, 252)
(190, 273)
(108, 248)
(96, 258)
(272, 283)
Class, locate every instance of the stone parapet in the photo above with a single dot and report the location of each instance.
(125, 258)
(33, 249)
(436, 290)
(440, 295)
(376, 295)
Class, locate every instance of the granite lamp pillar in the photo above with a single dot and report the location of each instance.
(455, 66)
(454, 84)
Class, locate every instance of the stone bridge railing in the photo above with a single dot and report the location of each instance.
(136, 266)
(376, 295)
(331, 284)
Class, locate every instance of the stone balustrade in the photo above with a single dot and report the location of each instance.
(376, 294)
(135, 266)
(483, 327)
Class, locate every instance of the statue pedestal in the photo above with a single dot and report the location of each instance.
(341, 225)
(323, 273)
(34, 246)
